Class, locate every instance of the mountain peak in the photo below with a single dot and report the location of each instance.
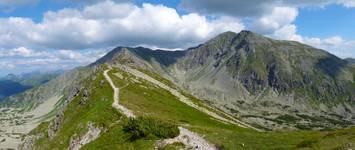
(246, 32)
(250, 34)
(242, 32)
(224, 36)
(242, 35)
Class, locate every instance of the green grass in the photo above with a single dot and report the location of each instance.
(116, 138)
(97, 110)
(174, 146)
(144, 98)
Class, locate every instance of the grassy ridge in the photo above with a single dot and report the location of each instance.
(96, 110)
(146, 99)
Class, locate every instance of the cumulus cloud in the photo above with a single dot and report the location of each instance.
(288, 32)
(79, 35)
(109, 23)
(19, 52)
(62, 37)
(335, 44)
(279, 17)
(23, 59)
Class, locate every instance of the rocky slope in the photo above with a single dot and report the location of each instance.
(21, 113)
(269, 83)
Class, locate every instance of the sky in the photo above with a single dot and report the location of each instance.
(43, 35)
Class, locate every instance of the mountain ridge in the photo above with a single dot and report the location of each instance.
(260, 82)
(257, 72)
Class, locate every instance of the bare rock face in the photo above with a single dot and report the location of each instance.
(76, 142)
(56, 122)
(55, 125)
(28, 142)
(84, 98)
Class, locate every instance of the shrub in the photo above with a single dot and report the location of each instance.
(147, 126)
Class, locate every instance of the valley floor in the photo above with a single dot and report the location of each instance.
(14, 123)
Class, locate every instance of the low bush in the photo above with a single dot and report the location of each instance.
(142, 127)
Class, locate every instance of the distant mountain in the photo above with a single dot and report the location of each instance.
(351, 60)
(9, 87)
(14, 84)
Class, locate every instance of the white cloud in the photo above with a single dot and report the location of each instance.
(335, 40)
(63, 38)
(335, 44)
(71, 36)
(287, 32)
(21, 52)
(109, 23)
(278, 18)
(25, 60)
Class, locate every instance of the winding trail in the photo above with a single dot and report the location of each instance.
(190, 139)
(187, 137)
(116, 97)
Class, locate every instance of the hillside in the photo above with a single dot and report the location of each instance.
(22, 112)
(90, 121)
(269, 83)
(228, 93)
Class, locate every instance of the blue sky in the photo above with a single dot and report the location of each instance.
(328, 21)
(70, 33)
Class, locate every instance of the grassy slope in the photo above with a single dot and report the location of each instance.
(97, 110)
(147, 99)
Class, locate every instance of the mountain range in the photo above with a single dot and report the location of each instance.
(13, 84)
(256, 78)
(350, 60)
(231, 92)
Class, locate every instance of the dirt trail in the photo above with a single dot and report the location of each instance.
(116, 97)
(190, 139)
(91, 135)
